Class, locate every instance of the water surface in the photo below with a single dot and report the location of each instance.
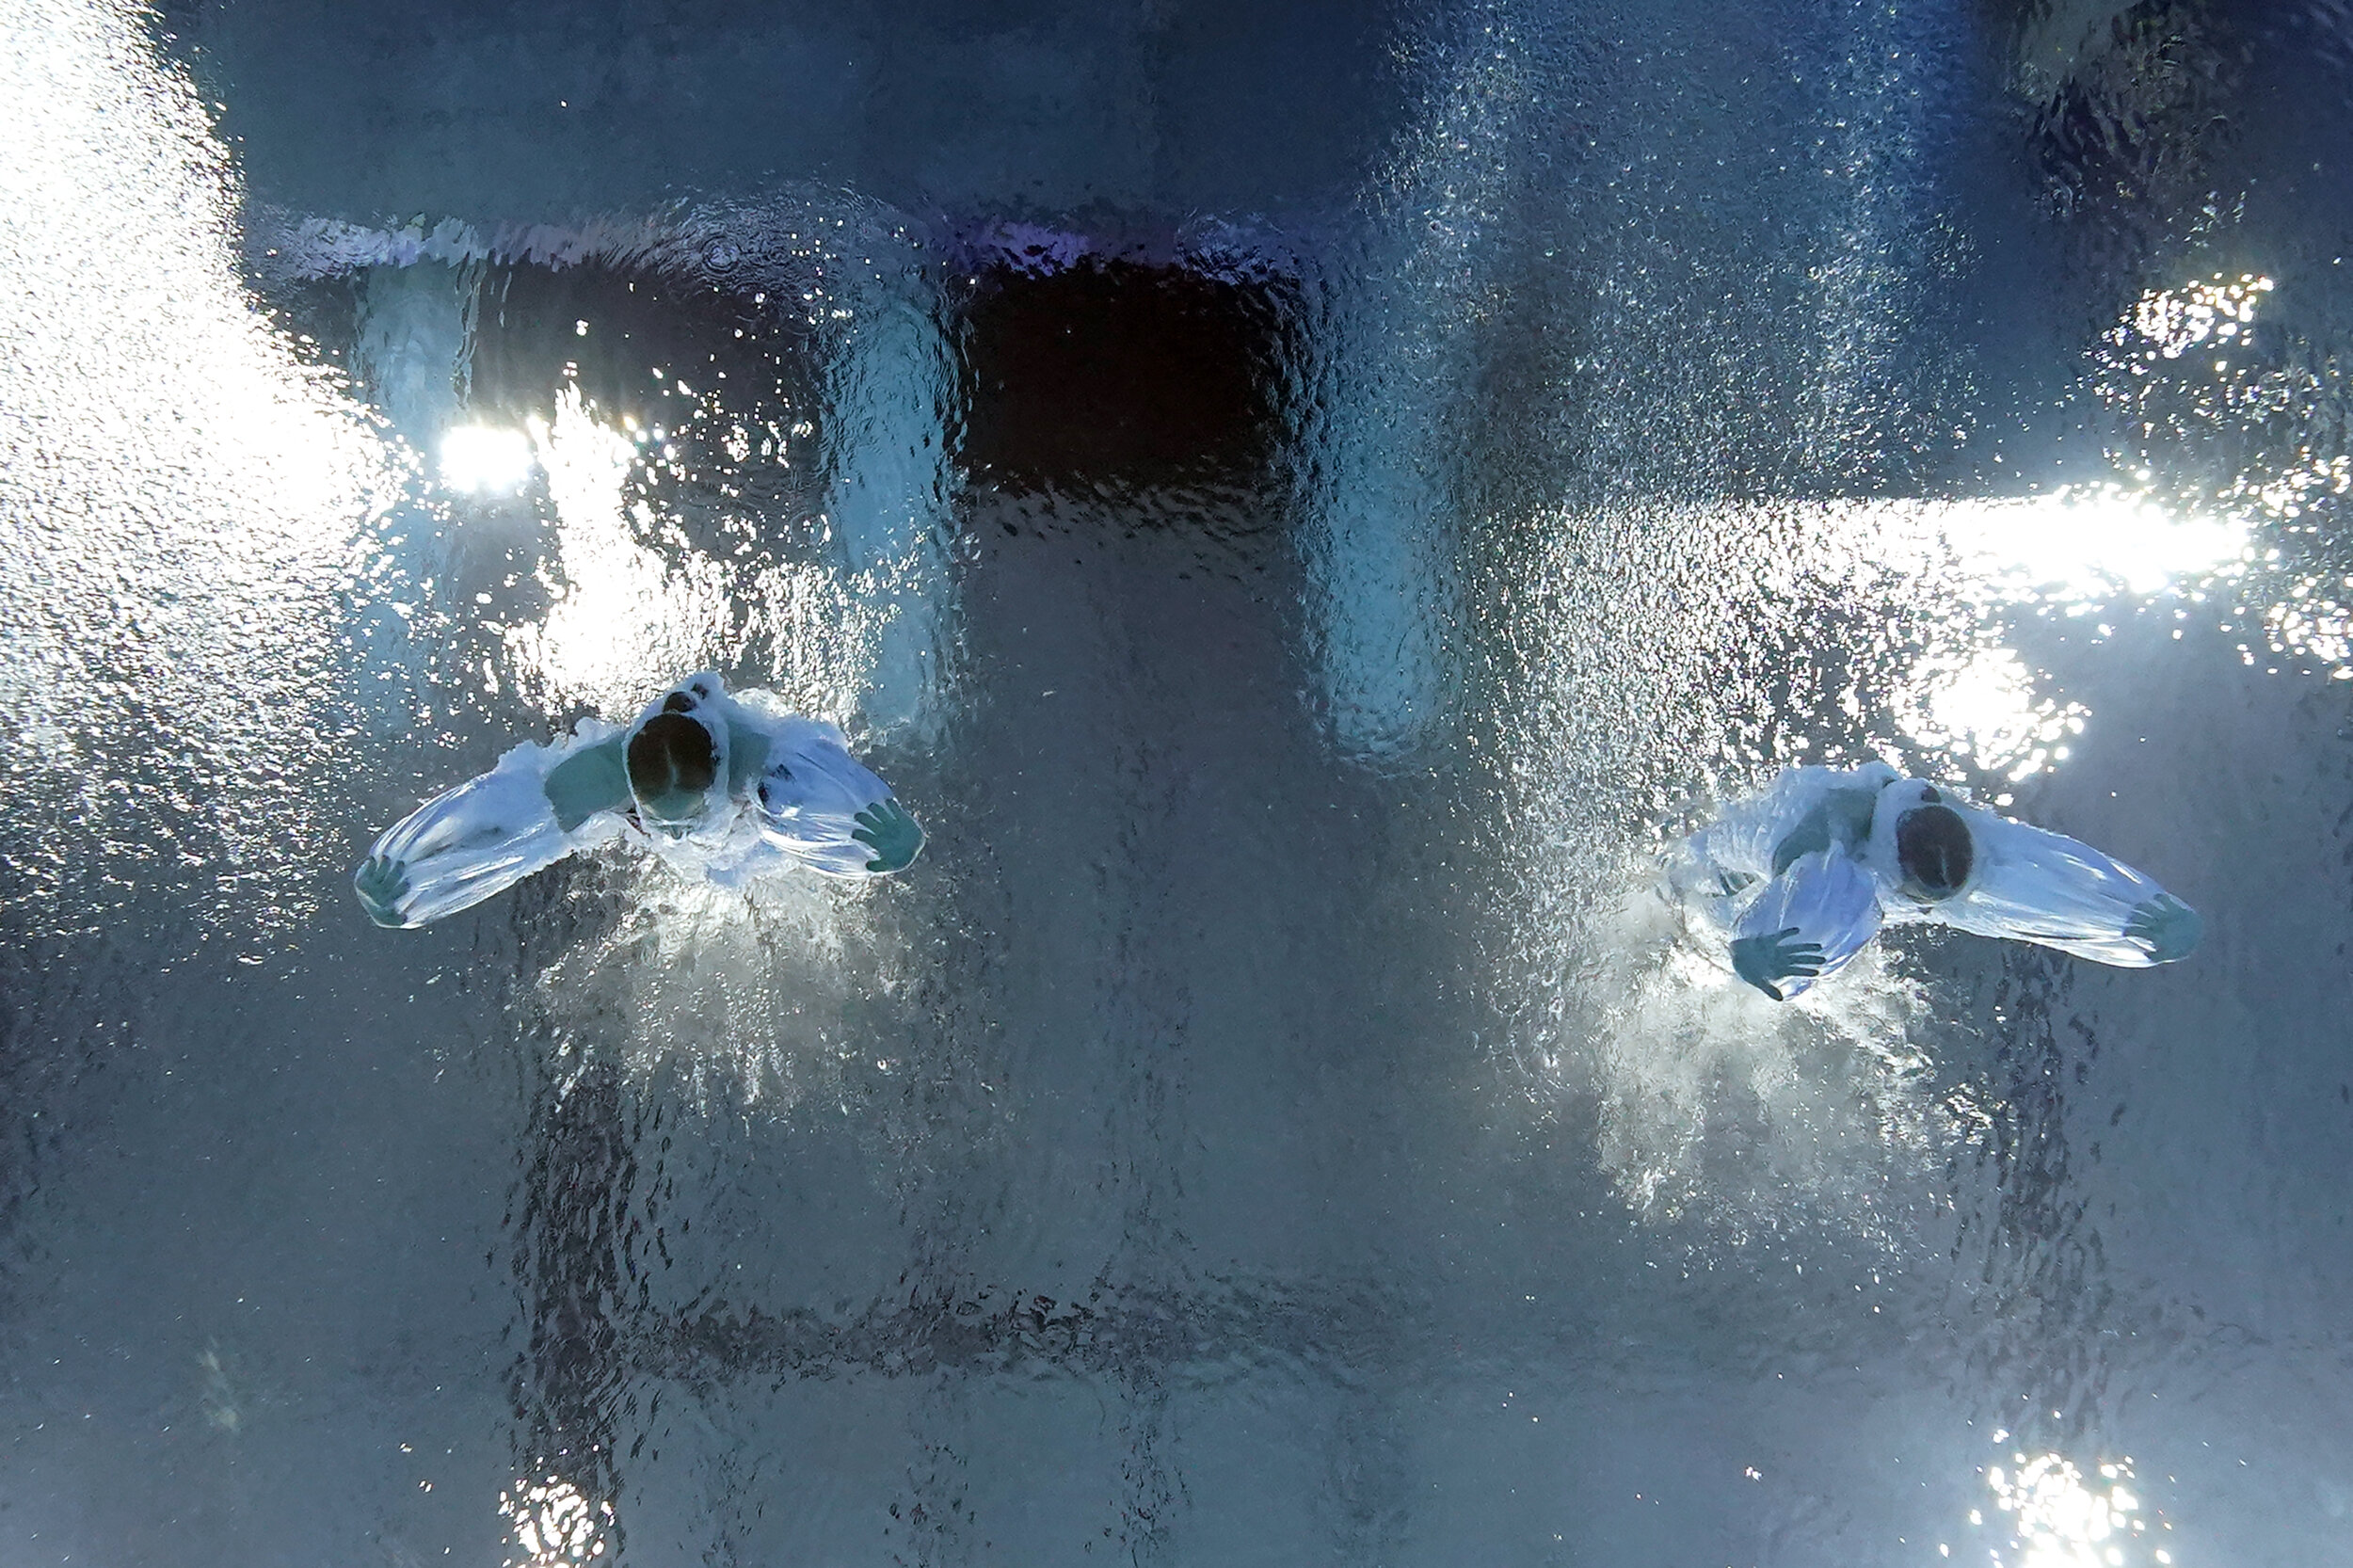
(1305, 504)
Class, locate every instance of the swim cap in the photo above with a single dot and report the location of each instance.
(672, 763)
(1934, 849)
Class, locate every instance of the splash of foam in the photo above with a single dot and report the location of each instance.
(1718, 1104)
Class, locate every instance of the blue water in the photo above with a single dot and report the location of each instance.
(1305, 502)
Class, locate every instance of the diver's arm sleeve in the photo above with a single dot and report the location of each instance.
(748, 744)
(466, 843)
(1827, 900)
(2035, 885)
(1759, 835)
(593, 778)
(811, 797)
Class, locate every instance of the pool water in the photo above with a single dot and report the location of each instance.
(1306, 503)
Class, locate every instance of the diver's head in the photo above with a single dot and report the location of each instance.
(672, 762)
(1933, 850)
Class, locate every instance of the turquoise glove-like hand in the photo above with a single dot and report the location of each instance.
(1763, 960)
(2168, 928)
(885, 828)
(380, 882)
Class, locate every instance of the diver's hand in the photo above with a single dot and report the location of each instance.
(2168, 928)
(1763, 960)
(381, 882)
(885, 828)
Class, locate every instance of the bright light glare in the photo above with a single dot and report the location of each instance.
(554, 1525)
(186, 452)
(627, 616)
(481, 458)
(2060, 1518)
(2208, 314)
(1985, 708)
(2079, 545)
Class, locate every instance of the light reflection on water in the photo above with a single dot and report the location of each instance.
(635, 602)
(484, 457)
(626, 619)
(2055, 1516)
(181, 503)
(2078, 548)
(1982, 709)
(554, 1525)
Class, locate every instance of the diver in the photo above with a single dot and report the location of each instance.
(719, 786)
(1806, 874)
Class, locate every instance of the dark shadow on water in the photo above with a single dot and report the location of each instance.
(1115, 371)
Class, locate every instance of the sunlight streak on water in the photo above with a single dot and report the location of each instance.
(1381, 483)
(2080, 547)
(2209, 314)
(180, 499)
(2213, 412)
(896, 405)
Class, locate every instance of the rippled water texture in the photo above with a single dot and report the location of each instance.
(1306, 503)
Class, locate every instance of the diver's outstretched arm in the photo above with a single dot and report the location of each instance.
(2035, 885)
(537, 807)
(1805, 923)
(827, 809)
